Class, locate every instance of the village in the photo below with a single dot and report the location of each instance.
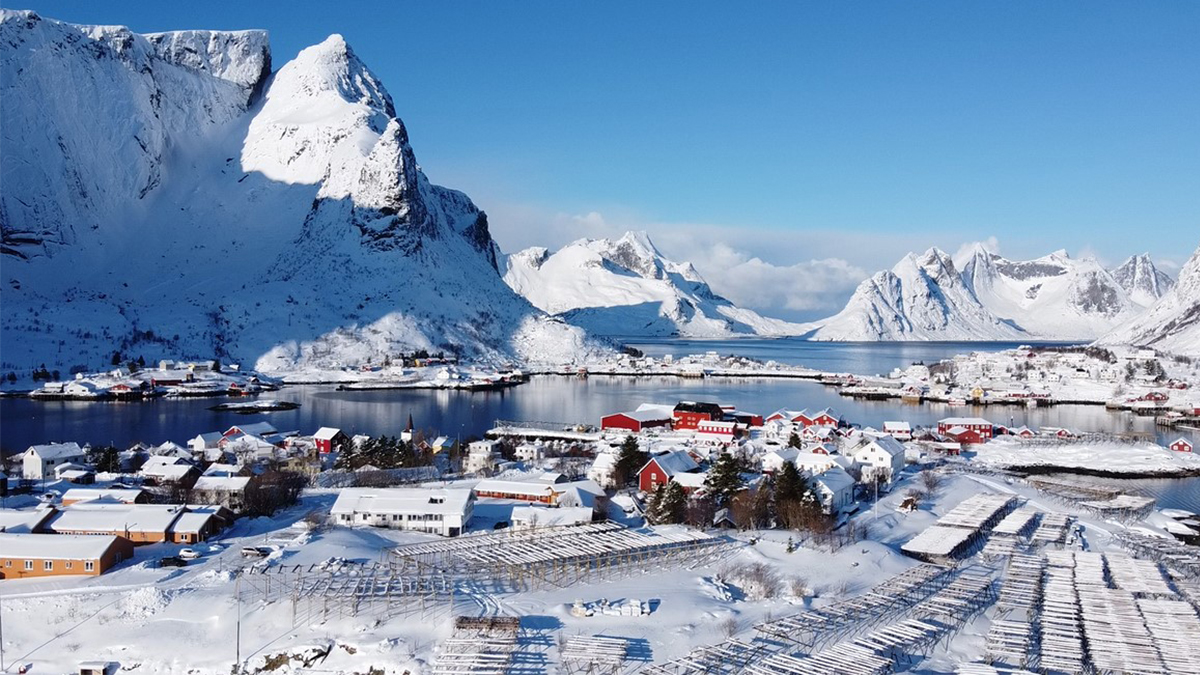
(689, 485)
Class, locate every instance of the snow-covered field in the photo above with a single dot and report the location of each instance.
(187, 621)
(1143, 459)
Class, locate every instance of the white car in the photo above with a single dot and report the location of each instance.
(189, 553)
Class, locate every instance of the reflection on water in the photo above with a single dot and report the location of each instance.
(24, 422)
(1171, 493)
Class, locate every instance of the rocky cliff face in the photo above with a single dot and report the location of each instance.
(167, 195)
(1144, 283)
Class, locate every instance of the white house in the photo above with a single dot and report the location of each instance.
(879, 455)
(204, 442)
(835, 488)
(39, 460)
(444, 512)
(773, 461)
(481, 456)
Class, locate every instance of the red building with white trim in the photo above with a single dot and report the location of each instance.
(1181, 445)
(981, 427)
(689, 414)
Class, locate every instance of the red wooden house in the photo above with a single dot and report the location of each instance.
(329, 438)
(689, 414)
(637, 420)
(662, 468)
(980, 427)
(1181, 445)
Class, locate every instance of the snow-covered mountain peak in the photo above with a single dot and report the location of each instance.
(1142, 280)
(626, 287)
(322, 113)
(1172, 324)
(242, 57)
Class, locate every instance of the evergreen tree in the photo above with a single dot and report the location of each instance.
(116, 358)
(654, 506)
(629, 460)
(672, 508)
(142, 361)
(109, 461)
(789, 484)
(794, 440)
(724, 479)
(347, 457)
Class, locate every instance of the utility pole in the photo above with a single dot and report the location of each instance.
(238, 626)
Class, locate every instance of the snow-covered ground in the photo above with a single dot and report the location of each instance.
(174, 621)
(1114, 458)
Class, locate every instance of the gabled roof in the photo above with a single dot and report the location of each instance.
(897, 426)
(835, 479)
(254, 429)
(326, 433)
(964, 421)
(56, 450)
(889, 445)
(673, 462)
(653, 415)
(222, 483)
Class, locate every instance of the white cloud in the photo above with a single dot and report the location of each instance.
(964, 252)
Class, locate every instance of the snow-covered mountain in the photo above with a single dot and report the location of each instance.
(1144, 283)
(1052, 297)
(169, 195)
(626, 287)
(921, 298)
(1173, 323)
(987, 297)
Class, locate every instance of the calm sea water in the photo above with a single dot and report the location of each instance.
(24, 422)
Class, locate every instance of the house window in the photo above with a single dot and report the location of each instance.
(28, 564)
(48, 565)
(89, 566)
(8, 563)
(69, 565)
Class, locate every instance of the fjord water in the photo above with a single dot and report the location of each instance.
(24, 422)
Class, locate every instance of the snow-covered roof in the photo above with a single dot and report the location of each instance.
(674, 462)
(56, 450)
(170, 472)
(110, 517)
(23, 520)
(657, 408)
(56, 546)
(326, 433)
(222, 483)
(533, 488)
(787, 454)
(209, 438)
(964, 421)
(542, 516)
(938, 540)
(220, 469)
(441, 442)
(160, 461)
(690, 480)
(889, 445)
(401, 500)
(651, 415)
(897, 426)
(252, 429)
(835, 479)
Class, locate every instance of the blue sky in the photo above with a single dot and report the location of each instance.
(783, 132)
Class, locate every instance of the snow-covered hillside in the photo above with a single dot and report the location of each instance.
(168, 195)
(921, 298)
(987, 297)
(626, 287)
(1052, 297)
(1173, 323)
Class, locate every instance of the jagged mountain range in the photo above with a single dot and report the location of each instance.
(1172, 324)
(172, 194)
(626, 287)
(984, 296)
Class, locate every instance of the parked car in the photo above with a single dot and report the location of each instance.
(172, 561)
(189, 553)
(257, 551)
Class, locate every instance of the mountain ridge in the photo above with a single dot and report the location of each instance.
(279, 220)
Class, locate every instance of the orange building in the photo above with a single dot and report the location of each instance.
(43, 555)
